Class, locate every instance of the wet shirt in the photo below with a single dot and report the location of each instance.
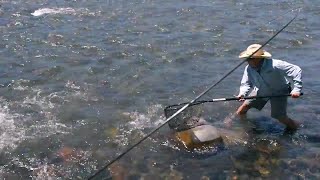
(273, 78)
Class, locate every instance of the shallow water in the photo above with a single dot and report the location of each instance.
(80, 81)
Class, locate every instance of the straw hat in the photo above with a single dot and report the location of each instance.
(251, 49)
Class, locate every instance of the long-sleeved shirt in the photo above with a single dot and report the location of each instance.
(273, 79)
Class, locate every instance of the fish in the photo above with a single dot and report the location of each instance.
(199, 137)
(207, 135)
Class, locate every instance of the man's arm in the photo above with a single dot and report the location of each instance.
(294, 73)
(245, 85)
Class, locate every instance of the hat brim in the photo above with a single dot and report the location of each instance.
(244, 54)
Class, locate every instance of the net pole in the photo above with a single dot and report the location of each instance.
(227, 99)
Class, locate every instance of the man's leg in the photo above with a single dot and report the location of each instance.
(290, 123)
(241, 112)
(279, 112)
(251, 103)
(243, 109)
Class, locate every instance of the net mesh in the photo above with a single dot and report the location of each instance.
(187, 119)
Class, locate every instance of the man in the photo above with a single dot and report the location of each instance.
(266, 77)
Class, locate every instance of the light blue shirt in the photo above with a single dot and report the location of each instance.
(274, 78)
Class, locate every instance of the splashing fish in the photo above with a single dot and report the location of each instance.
(206, 135)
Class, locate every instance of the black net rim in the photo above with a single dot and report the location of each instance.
(176, 107)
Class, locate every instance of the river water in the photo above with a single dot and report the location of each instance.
(81, 81)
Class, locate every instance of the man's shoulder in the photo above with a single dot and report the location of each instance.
(282, 65)
(277, 62)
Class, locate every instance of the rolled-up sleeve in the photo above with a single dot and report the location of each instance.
(245, 85)
(294, 73)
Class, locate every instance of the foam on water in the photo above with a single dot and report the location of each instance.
(138, 123)
(19, 126)
(44, 11)
(64, 10)
(149, 120)
(50, 125)
(10, 134)
(42, 121)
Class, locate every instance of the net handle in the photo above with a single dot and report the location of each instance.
(227, 99)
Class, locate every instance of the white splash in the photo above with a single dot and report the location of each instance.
(10, 134)
(18, 127)
(43, 11)
(138, 122)
(149, 120)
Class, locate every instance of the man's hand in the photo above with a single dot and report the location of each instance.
(240, 96)
(295, 94)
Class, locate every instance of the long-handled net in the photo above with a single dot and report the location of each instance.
(189, 118)
(192, 116)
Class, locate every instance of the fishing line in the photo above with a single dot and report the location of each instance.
(282, 15)
(188, 104)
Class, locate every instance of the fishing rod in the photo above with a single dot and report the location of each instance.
(227, 99)
(188, 104)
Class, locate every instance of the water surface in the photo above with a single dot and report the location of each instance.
(80, 81)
